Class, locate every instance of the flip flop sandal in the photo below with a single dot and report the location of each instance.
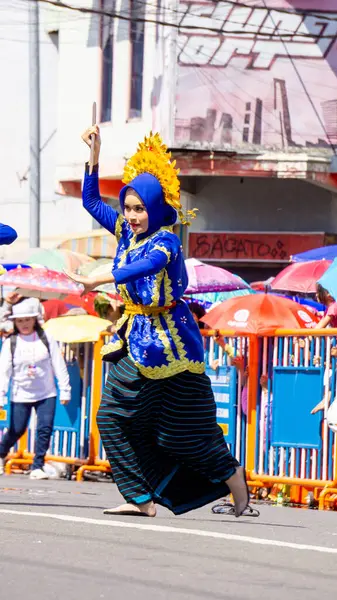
(124, 513)
(225, 508)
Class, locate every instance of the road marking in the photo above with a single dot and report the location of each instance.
(167, 529)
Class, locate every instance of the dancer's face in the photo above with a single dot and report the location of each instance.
(135, 213)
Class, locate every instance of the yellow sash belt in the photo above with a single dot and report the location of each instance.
(148, 311)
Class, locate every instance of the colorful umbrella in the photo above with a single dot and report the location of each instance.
(40, 283)
(323, 253)
(261, 286)
(104, 269)
(209, 298)
(87, 268)
(206, 278)
(71, 330)
(10, 266)
(329, 279)
(300, 277)
(51, 258)
(86, 301)
(54, 308)
(259, 314)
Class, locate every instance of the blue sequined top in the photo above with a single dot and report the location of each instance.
(149, 270)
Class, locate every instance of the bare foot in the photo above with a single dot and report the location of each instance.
(238, 487)
(147, 509)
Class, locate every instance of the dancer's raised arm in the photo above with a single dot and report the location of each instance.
(104, 214)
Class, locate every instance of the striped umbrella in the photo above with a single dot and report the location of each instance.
(51, 258)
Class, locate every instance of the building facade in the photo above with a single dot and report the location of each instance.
(61, 216)
(246, 114)
(244, 96)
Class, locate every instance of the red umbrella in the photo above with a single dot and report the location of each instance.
(301, 277)
(259, 314)
(54, 308)
(87, 302)
(259, 286)
(40, 283)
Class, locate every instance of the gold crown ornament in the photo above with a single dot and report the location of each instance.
(152, 157)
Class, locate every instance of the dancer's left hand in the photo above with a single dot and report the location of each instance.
(88, 282)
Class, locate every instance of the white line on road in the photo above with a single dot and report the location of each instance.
(166, 529)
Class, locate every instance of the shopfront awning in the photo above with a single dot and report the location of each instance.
(109, 188)
(97, 243)
(318, 169)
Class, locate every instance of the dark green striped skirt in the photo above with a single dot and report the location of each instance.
(162, 440)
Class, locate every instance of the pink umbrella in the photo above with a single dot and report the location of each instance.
(300, 277)
(206, 278)
(40, 283)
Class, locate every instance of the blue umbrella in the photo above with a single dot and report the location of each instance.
(323, 253)
(208, 299)
(11, 266)
(212, 297)
(329, 279)
(8, 235)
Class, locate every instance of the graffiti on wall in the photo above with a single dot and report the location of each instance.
(252, 246)
(258, 75)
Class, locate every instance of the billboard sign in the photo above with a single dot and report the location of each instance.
(257, 74)
(252, 246)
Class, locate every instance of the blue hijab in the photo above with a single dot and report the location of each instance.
(150, 191)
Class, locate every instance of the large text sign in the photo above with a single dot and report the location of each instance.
(251, 246)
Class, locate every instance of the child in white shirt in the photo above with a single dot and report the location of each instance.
(31, 359)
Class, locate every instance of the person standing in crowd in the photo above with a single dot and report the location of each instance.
(157, 417)
(198, 313)
(330, 317)
(30, 360)
(6, 324)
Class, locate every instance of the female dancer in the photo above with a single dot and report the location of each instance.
(157, 417)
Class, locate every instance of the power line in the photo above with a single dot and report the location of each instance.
(183, 13)
(306, 92)
(244, 72)
(179, 26)
(304, 12)
(233, 81)
(263, 53)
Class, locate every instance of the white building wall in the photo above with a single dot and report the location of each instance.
(253, 204)
(79, 85)
(59, 215)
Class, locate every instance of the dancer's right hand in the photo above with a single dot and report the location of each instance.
(86, 137)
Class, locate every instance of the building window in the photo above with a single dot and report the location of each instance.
(137, 29)
(107, 45)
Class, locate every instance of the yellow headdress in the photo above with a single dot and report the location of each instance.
(152, 157)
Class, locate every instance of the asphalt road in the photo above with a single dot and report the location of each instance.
(55, 543)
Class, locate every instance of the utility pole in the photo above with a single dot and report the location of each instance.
(34, 123)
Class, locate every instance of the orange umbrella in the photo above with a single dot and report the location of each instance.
(259, 314)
